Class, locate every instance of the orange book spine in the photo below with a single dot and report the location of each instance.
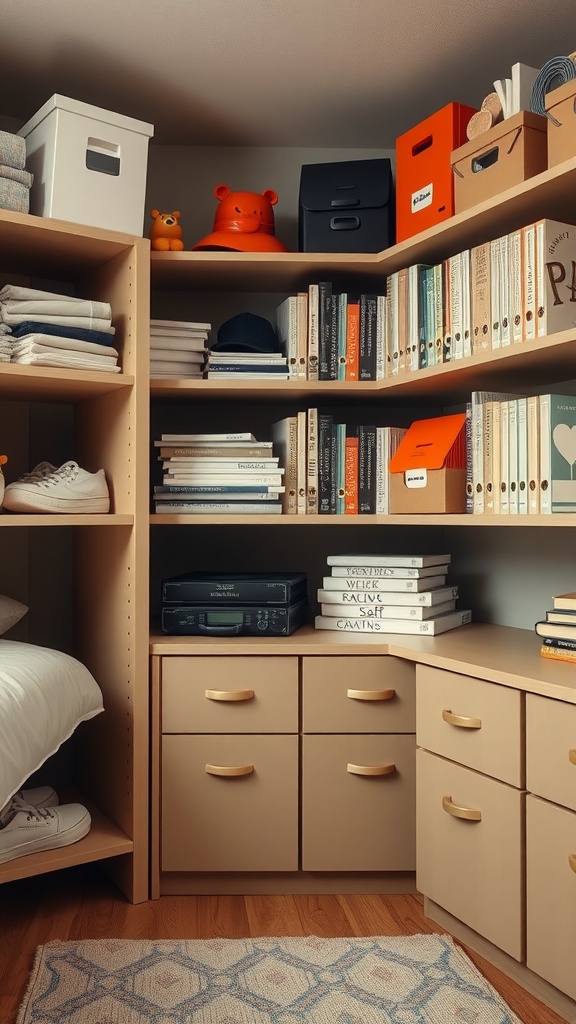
(351, 476)
(558, 654)
(353, 341)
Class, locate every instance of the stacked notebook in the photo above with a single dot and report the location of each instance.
(178, 348)
(389, 594)
(212, 473)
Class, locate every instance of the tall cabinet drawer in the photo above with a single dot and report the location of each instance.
(475, 723)
(551, 749)
(469, 848)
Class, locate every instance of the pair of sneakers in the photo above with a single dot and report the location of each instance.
(49, 488)
(33, 820)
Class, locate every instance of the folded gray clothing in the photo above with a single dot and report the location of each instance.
(12, 150)
(5, 329)
(24, 294)
(90, 323)
(24, 177)
(38, 327)
(40, 342)
(41, 307)
(75, 362)
(14, 196)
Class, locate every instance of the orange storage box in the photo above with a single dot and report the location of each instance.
(428, 470)
(424, 179)
(561, 107)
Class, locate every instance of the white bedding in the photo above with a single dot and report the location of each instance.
(44, 695)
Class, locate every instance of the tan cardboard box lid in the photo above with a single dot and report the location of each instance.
(524, 119)
(564, 92)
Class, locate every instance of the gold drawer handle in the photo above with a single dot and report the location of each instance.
(233, 769)
(462, 721)
(572, 861)
(371, 694)
(229, 694)
(469, 813)
(371, 769)
(572, 756)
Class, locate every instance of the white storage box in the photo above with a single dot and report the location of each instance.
(89, 165)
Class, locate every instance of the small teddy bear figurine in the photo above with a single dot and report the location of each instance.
(165, 232)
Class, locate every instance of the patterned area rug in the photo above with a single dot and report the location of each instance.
(417, 979)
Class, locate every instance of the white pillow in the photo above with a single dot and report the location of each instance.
(11, 612)
(44, 695)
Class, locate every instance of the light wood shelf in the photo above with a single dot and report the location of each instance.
(565, 520)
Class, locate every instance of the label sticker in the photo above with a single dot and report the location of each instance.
(422, 198)
(415, 478)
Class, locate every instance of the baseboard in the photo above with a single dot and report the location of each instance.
(271, 883)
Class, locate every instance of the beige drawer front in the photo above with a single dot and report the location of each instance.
(353, 820)
(229, 695)
(551, 893)
(358, 694)
(475, 723)
(472, 868)
(551, 749)
(229, 822)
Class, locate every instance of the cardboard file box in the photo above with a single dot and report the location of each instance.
(424, 179)
(89, 165)
(561, 127)
(346, 206)
(428, 470)
(506, 155)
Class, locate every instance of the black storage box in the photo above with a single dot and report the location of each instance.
(346, 206)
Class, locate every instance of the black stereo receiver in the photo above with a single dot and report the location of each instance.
(233, 619)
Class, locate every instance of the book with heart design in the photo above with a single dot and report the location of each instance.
(557, 453)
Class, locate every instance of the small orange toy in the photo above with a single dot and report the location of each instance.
(244, 222)
(165, 232)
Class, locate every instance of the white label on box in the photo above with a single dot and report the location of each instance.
(415, 478)
(422, 198)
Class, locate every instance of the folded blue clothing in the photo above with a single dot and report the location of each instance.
(80, 333)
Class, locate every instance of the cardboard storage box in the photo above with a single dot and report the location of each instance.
(561, 107)
(424, 179)
(428, 470)
(89, 165)
(506, 155)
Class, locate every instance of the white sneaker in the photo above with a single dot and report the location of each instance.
(67, 489)
(26, 829)
(41, 796)
(39, 471)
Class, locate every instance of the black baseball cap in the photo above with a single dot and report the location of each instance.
(246, 332)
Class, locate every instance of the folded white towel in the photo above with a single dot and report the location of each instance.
(88, 322)
(41, 307)
(73, 362)
(37, 342)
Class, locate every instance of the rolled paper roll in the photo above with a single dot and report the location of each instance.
(478, 124)
(492, 103)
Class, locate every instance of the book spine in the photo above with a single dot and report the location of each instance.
(478, 453)
(504, 294)
(351, 476)
(324, 329)
(302, 335)
(211, 453)
(480, 297)
(466, 305)
(402, 315)
(447, 341)
(496, 329)
(301, 467)
(382, 459)
(368, 337)
(324, 462)
(313, 331)
(529, 281)
(342, 330)
(513, 456)
(367, 470)
(380, 337)
(455, 270)
(212, 508)
(469, 466)
(562, 453)
(392, 325)
(558, 654)
(287, 331)
(340, 467)
(182, 489)
(515, 286)
(438, 315)
(545, 488)
(504, 458)
(533, 405)
(353, 341)
(496, 456)
(559, 643)
(312, 463)
(522, 428)
(427, 599)
(488, 458)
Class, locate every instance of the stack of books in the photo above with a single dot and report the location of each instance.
(177, 348)
(212, 473)
(389, 594)
(246, 366)
(558, 630)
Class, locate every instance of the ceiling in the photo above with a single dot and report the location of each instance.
(327, 73)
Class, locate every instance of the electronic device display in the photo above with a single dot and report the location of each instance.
(233, 620)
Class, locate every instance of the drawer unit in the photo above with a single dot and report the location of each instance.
(363, 694)
(469, 848)
(358, 803)
(551, 749)
(468, 720)
(551, 892)
(229, 803)
(229, 695)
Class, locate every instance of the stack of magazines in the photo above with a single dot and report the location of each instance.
(557, 631)
(177, 348)
(212, 473)
(389, 594)
(246, 366)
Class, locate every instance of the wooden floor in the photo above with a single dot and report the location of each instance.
(82, 903)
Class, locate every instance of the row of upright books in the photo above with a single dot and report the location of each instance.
(558, 630)
(389, 593)
(517, 288)
(332, 468)
(521, 455)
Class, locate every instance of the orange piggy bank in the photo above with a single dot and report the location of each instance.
(244, 222)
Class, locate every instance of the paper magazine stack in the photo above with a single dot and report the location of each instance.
(178, 348)
(379, 593)
(218, 473)
(557, 631)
